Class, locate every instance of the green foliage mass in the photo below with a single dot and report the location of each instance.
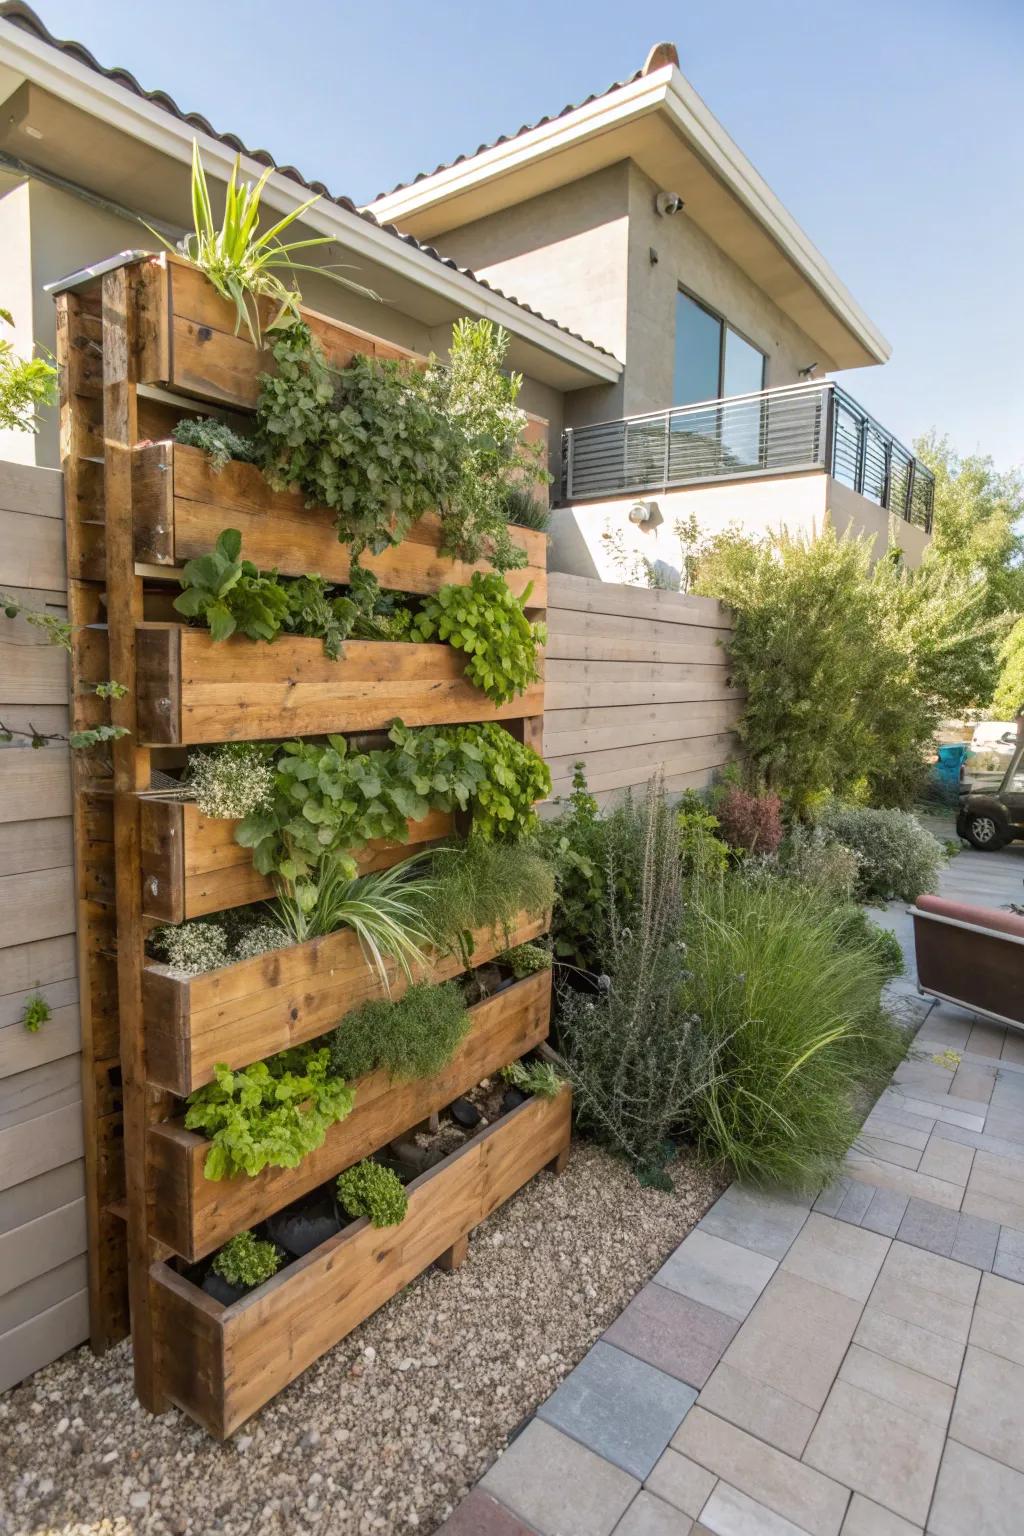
(486, 621)
(270, 1114)
(370, 1189)
(230, 595)
(976, 526)
(216, 439)
(897, 858)
(37, 1012)
(700, 847)
(536, 1077)
(26, 384)
(414, 1037)
(247, 1260)
(857, 931)
(1009, 693)
(485, 885)
(523, 509)
(526, 959)
(479, 769)
(847, 666)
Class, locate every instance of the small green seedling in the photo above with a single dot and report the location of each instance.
(37, 1011)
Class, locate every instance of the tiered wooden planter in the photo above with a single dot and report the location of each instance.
(144, 856)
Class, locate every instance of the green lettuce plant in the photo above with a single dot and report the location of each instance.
(271, 1114)
(230, 595)
(247, 1260)
(415, 1036)
(488, 622)
(370, 1189)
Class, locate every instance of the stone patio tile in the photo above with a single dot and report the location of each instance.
(855, 1202)
(680, 1481)
(988, 1414)
(812, 1501)
(1008, 1092)
(1009, 1259)
(1004, 1297)
(885, 1211)
(866, 1518)
(999, 1334)
(925, 1309)
(843, 1258)
(719, 1274)
(872, 1170)
(878, 1124)
(480, 1515)
(986, 1039)
(648, 1516)
(622, 1408)
(758, 1408)
(1009, 1166)
(991, 1207)
(765, 1222)
(909, 1104)
(1006, 1124)
(974, 1082)
(898, 1384)
(831, 1197)
(889, 1108)
(938, 1102)
(559, 1486)
(731, 1513)
(673, 1332)
(945, 1034)
(975, 1242)
(1013, 1047)
(879, 1449)
(888, 1151)
(795, 1338)
(979, 1139)
(909, 1345)
(929, 1226)
(975, 1496)
(947, 1160)
(958, 1282)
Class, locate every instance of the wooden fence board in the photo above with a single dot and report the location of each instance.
(34, 784)
(37, 905)
(42, 1244)
(43, 1338)
(45, 1192)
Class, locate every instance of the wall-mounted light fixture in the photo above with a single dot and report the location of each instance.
(646, 515)
(806, 373)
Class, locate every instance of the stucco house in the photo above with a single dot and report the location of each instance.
(634, 218)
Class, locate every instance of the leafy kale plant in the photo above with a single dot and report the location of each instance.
(488, 622)
(230, 595)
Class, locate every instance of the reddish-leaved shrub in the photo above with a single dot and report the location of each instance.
(750, 822)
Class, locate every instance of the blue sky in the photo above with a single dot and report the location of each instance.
(893, 130)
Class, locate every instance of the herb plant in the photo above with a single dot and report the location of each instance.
(25, 385)
(480, 769)
(370, 1189)
(194, 947)
(523, 509)
(416, 1036)
(232, 780)
(37, 1012)
(269, 1115)
(229, 594)
(488, 622)
(536, 1077)
(485, 885)
(526, 959)
(216, 439)
(247, 1261)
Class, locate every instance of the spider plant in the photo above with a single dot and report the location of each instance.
(385, 910)
(241, 262)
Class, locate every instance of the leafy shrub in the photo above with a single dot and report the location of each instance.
(191, 947)
(37, 1013)
(897, 857)
(536, 1077)
(270, 1114)
(1009, 695)
(813, 858)
(485, 885)
(634, 1051)
(526, 959)
(216, 439)
(229, 594)
(413, 1037)
(481, 769)
(247, 1260)
(370, 1189)
(701, 850)
(26, 383)
(790, 1015)
(232, 780)
(488, 622)
(752, 823)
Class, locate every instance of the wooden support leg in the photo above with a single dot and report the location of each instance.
(455, 1256)
(557, 1164)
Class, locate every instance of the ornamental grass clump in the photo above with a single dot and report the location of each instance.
(536, 1077)
(415, 1036)
(369, 1189)
(789, 1008)
(480, 885)
(247, 1261)
(897, 858)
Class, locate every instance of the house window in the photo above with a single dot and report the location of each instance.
(712, 360)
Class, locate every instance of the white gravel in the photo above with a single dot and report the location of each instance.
(390, 1429)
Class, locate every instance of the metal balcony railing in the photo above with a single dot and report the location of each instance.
(774, 432)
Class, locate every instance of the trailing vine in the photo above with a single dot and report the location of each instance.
(59, 632)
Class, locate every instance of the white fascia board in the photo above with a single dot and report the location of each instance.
(669, 91)
(141, 119)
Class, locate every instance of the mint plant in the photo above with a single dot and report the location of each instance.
(488, 622)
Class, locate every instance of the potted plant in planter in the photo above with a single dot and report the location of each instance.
(240, 1266)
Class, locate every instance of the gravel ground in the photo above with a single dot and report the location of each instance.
(392, 1427)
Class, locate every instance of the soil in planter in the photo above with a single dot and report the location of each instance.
(424, 1149)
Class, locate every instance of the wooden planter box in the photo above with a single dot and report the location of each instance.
(191, 864)
(242, 1013)
(194, 1215)
(220, 1364)
(194, 690)
(180, 506)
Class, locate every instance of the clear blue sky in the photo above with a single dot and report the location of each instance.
(893, 130)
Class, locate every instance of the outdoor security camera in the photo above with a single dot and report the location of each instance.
(668, 203)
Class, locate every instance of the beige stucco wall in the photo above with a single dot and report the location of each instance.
(800, 504)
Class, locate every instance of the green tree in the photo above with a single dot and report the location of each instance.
(1009, 694)
(977, 527)
(25, 385)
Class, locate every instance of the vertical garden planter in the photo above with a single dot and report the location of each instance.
(137, 508)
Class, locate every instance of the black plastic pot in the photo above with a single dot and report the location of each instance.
(305, 1225)
(511, 1099)
(464, 1113)
(222, 1290)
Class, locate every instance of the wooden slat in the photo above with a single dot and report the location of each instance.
(193, 1216)
(34, 845)
(588, 596)
(41, 1245)
(38, 905)
(632, 765)
(41, 1340)
(274, 1334)
(25, 967)
(33, 551)
(44, 1143)
(20, 1049)
(571, 733)
(34, 784)
(586, 683)
(238, 689)
(34, 491)
(37, 1196)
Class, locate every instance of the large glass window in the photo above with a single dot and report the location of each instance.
(712, 360)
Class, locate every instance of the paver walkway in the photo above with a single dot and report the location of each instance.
(846, 1366)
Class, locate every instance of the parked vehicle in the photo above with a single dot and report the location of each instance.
(992, 794)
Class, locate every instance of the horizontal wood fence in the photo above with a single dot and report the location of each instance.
(43, 1295)
(635, 680)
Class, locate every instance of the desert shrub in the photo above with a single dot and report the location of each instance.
(813, 858)
(485, 885)
(791, 1016)
(232, 780)
(897, 858)
(246, 1260)
(634, 1051)
(526, 959)
(413, 1037)
(749, 822)
(370, 1189)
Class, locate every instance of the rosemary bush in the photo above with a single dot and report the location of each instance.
(413, 1037)
(370, 1189)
